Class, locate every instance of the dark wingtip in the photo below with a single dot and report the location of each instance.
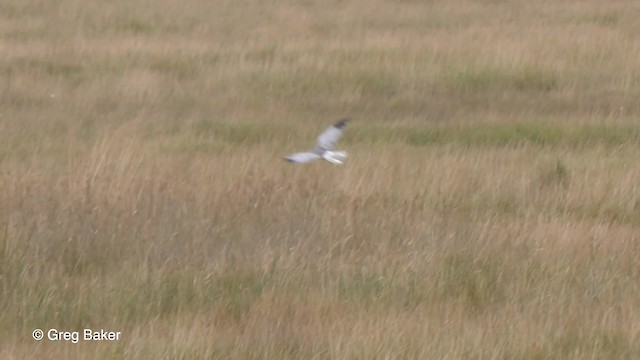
(287, 159)
(341, 123)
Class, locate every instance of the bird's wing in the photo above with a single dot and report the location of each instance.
(328, 139)
(302, 157)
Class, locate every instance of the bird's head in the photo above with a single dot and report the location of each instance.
(341, 123)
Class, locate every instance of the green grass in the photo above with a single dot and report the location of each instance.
(540, 133)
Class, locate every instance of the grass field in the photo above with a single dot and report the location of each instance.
(490, 208)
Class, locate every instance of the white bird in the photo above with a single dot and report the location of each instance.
(324, 147)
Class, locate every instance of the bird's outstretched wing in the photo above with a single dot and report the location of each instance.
(302, 157)
(328, 139)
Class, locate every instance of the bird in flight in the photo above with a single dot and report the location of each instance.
(324, 147)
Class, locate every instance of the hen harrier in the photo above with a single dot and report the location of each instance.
(324, 147)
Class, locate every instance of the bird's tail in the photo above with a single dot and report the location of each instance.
(335, 157)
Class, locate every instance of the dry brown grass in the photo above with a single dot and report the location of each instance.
(490, 207)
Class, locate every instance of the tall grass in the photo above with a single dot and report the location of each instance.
(489, 208)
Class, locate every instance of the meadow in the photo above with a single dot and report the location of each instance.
(490, 207)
